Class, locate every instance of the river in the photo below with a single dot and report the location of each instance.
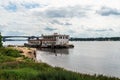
(89, 57)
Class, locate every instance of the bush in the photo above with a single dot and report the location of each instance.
(9, 52)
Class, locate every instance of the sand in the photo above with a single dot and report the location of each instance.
(27, 52)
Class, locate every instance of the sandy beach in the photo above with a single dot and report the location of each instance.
(27, 52)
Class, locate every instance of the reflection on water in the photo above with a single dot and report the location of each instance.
(55, 51)
(90, 57)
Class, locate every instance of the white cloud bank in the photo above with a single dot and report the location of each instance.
(78, 18)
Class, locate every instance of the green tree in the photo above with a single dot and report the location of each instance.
(1, 40)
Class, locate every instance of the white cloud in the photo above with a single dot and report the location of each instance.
(81, 18)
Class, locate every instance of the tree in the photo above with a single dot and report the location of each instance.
(1, 44)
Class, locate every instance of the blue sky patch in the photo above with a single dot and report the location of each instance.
(30, 5)
(11, 7)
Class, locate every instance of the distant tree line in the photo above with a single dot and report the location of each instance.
(96, 39)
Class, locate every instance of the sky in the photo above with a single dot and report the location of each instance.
(77, 18)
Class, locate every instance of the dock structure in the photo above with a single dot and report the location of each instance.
(50, 41)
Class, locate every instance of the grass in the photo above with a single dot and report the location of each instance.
(9, 52)
(19, 74)
(6, 58)
(10, 69)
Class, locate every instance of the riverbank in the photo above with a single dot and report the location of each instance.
(26, 51)
(27, 69)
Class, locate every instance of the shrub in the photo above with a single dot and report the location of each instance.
(9, 52)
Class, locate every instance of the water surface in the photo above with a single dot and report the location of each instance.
(91, 57)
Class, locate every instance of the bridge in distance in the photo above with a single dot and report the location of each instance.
(18, 38)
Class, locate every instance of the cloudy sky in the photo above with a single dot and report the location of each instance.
(78, 18)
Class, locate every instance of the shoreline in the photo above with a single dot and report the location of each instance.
(39, 71)
(68, 69)
(26, 51)
(31, 53)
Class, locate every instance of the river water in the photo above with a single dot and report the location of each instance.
(90, 57)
